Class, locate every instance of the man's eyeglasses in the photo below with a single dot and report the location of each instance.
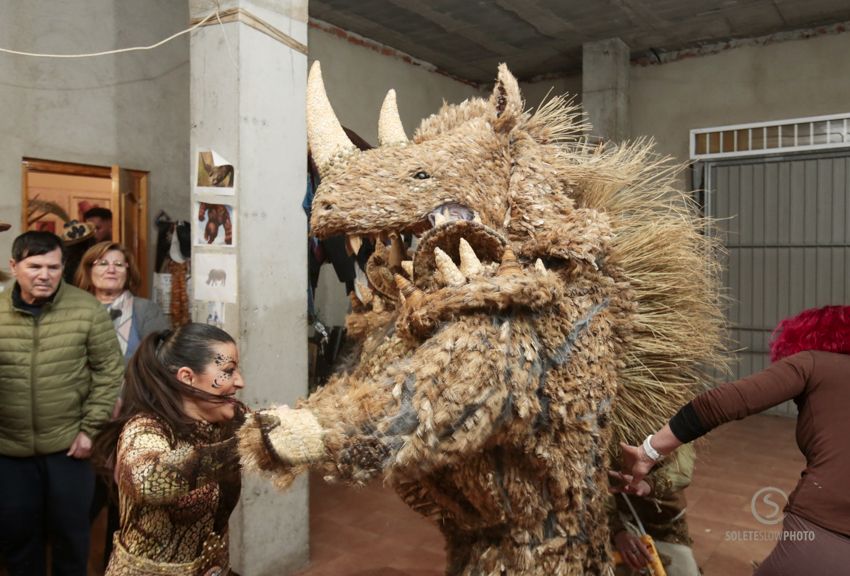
(106, 264)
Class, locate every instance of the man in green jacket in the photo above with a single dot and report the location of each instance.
(60, 372)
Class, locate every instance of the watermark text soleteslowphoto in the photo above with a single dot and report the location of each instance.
(767, 506)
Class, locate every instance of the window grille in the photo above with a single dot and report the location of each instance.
(796, 135)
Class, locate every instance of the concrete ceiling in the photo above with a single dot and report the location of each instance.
(468, 38)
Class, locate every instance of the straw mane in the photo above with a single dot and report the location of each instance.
(671, 265)
(658, 242)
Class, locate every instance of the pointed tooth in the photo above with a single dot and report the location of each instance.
(353, 243)
(439, 219)
(540, 267)
(397, 250)
(407, 266)
(411, 294)
(452, 275)
(364, 293)
(377, 304)
(476, 218)
(470, 265)
(509, 265)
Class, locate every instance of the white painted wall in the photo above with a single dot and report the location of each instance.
(748, 84)
(357, 79)
(791, 79)
(129, 109)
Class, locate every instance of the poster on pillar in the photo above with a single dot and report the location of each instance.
(215, 225)
(214, 174)
(215, 314)
(214, 277)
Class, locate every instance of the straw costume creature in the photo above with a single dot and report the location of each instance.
(560, 298)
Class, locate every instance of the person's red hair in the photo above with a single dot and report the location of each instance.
(826, 329)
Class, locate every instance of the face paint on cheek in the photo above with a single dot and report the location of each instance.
(222, 377)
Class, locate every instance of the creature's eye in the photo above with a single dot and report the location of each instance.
(421, 175)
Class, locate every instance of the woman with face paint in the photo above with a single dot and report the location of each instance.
(173, 453)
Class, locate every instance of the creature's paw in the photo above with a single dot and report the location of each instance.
(294, 437)
(279, 440)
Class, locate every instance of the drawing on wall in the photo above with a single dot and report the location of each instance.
(217, 277)
(46, 226)
(215, 172)
(85, 203)
(214, 277)
(215, 224)
(215, 314)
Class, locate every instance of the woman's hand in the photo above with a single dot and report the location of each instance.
(621, 483)
(635, 464)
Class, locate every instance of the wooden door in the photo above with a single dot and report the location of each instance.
(130, 195)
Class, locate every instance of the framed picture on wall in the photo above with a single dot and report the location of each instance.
(82, 204)
(46, 226)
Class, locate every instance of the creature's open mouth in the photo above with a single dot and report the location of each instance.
(393, 261)
(443, 214)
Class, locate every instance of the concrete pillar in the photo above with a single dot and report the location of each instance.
(605, 87)
(248, 79)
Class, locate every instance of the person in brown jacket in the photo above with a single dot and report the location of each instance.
(811, 365)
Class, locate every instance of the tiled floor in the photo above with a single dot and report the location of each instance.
(370, 532)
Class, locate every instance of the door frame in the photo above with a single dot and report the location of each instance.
(138, 184)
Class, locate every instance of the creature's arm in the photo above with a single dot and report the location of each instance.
(150, 469)
(202, 211)
(440, 404)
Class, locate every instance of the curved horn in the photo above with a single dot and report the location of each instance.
(324, 132)
(390, 128)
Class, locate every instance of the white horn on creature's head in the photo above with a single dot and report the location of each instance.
(390, 128)
(324, 132)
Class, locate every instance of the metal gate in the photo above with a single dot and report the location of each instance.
(785, 221)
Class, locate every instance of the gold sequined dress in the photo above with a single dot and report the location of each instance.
(176, 496)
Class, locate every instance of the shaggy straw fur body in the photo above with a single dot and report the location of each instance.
(491, 400)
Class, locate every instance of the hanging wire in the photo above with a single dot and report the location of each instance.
(122, 50)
